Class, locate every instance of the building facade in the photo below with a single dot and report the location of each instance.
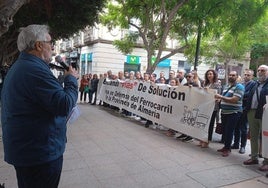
(95, 53)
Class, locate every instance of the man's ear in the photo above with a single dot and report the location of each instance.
(38, 46)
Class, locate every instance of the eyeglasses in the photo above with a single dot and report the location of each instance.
(261, 70)
(48, 42)
(247, 75)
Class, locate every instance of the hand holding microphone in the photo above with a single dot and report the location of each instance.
(73, 72)
(68, 69)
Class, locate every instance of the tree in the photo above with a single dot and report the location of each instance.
(223, 27)
(152, 20)
(197, 19)
(227, 48)
(259, 49)
(65, 17)
(187, 21)
(8, 8)
(213, 19)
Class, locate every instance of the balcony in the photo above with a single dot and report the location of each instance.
(88, 35)
(69, 45)
(77, 41)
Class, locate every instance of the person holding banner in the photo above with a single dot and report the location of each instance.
(256, 102)
(171, 76)
(211, 82)
(172, 82)
(180, 76)
(161, 77)
(190, 83)
(231, 109)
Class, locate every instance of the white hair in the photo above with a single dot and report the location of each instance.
(264, 66)
(29, 35)
(181, 70)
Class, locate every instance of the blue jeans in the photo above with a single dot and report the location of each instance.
(40, 176)
(229, 122)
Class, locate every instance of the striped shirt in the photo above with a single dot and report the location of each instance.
(236, 90)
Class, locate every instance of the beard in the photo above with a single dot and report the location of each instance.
(261, 78)
(48, 59)
(231, 80)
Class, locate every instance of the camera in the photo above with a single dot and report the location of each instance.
(69, 62)
(72, 62)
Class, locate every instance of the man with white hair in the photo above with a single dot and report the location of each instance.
(256, 102)
(34, 111)
(180, 76)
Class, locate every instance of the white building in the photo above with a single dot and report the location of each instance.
(98, 55)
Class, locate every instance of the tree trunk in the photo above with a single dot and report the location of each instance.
(8, 8)
(198, 42)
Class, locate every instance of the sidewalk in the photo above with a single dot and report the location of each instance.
(107, 150)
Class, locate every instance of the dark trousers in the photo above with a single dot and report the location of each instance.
(40, 176)
(89, 96)
(211, 125)
(241, 131)
(82, 93)
(229, 122)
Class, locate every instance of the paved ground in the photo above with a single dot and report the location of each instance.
(106, 149)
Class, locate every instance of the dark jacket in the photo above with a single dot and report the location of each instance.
(94, 84)
(261, 102)
(250, 88)
(34, 110)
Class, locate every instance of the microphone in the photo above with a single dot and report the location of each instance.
(61, 62)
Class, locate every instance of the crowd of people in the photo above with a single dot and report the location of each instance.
(88, 87)
(35, 106)
(238, 106)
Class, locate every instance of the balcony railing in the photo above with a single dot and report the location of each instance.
(88, 35)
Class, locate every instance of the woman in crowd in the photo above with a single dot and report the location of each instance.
(172, 82)
(211, 82)
(83, 83)
(94, 88)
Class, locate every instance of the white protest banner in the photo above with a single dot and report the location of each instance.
(185, 109)
(265, 130)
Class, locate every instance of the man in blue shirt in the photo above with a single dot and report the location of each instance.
(231, 109)
(34, 111)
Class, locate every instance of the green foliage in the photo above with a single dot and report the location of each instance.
(150, 18)
(226, 27)
(259, 50)
(65, 18)
(126, 44)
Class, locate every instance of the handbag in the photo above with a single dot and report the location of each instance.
(86, 89)
(219, 128)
